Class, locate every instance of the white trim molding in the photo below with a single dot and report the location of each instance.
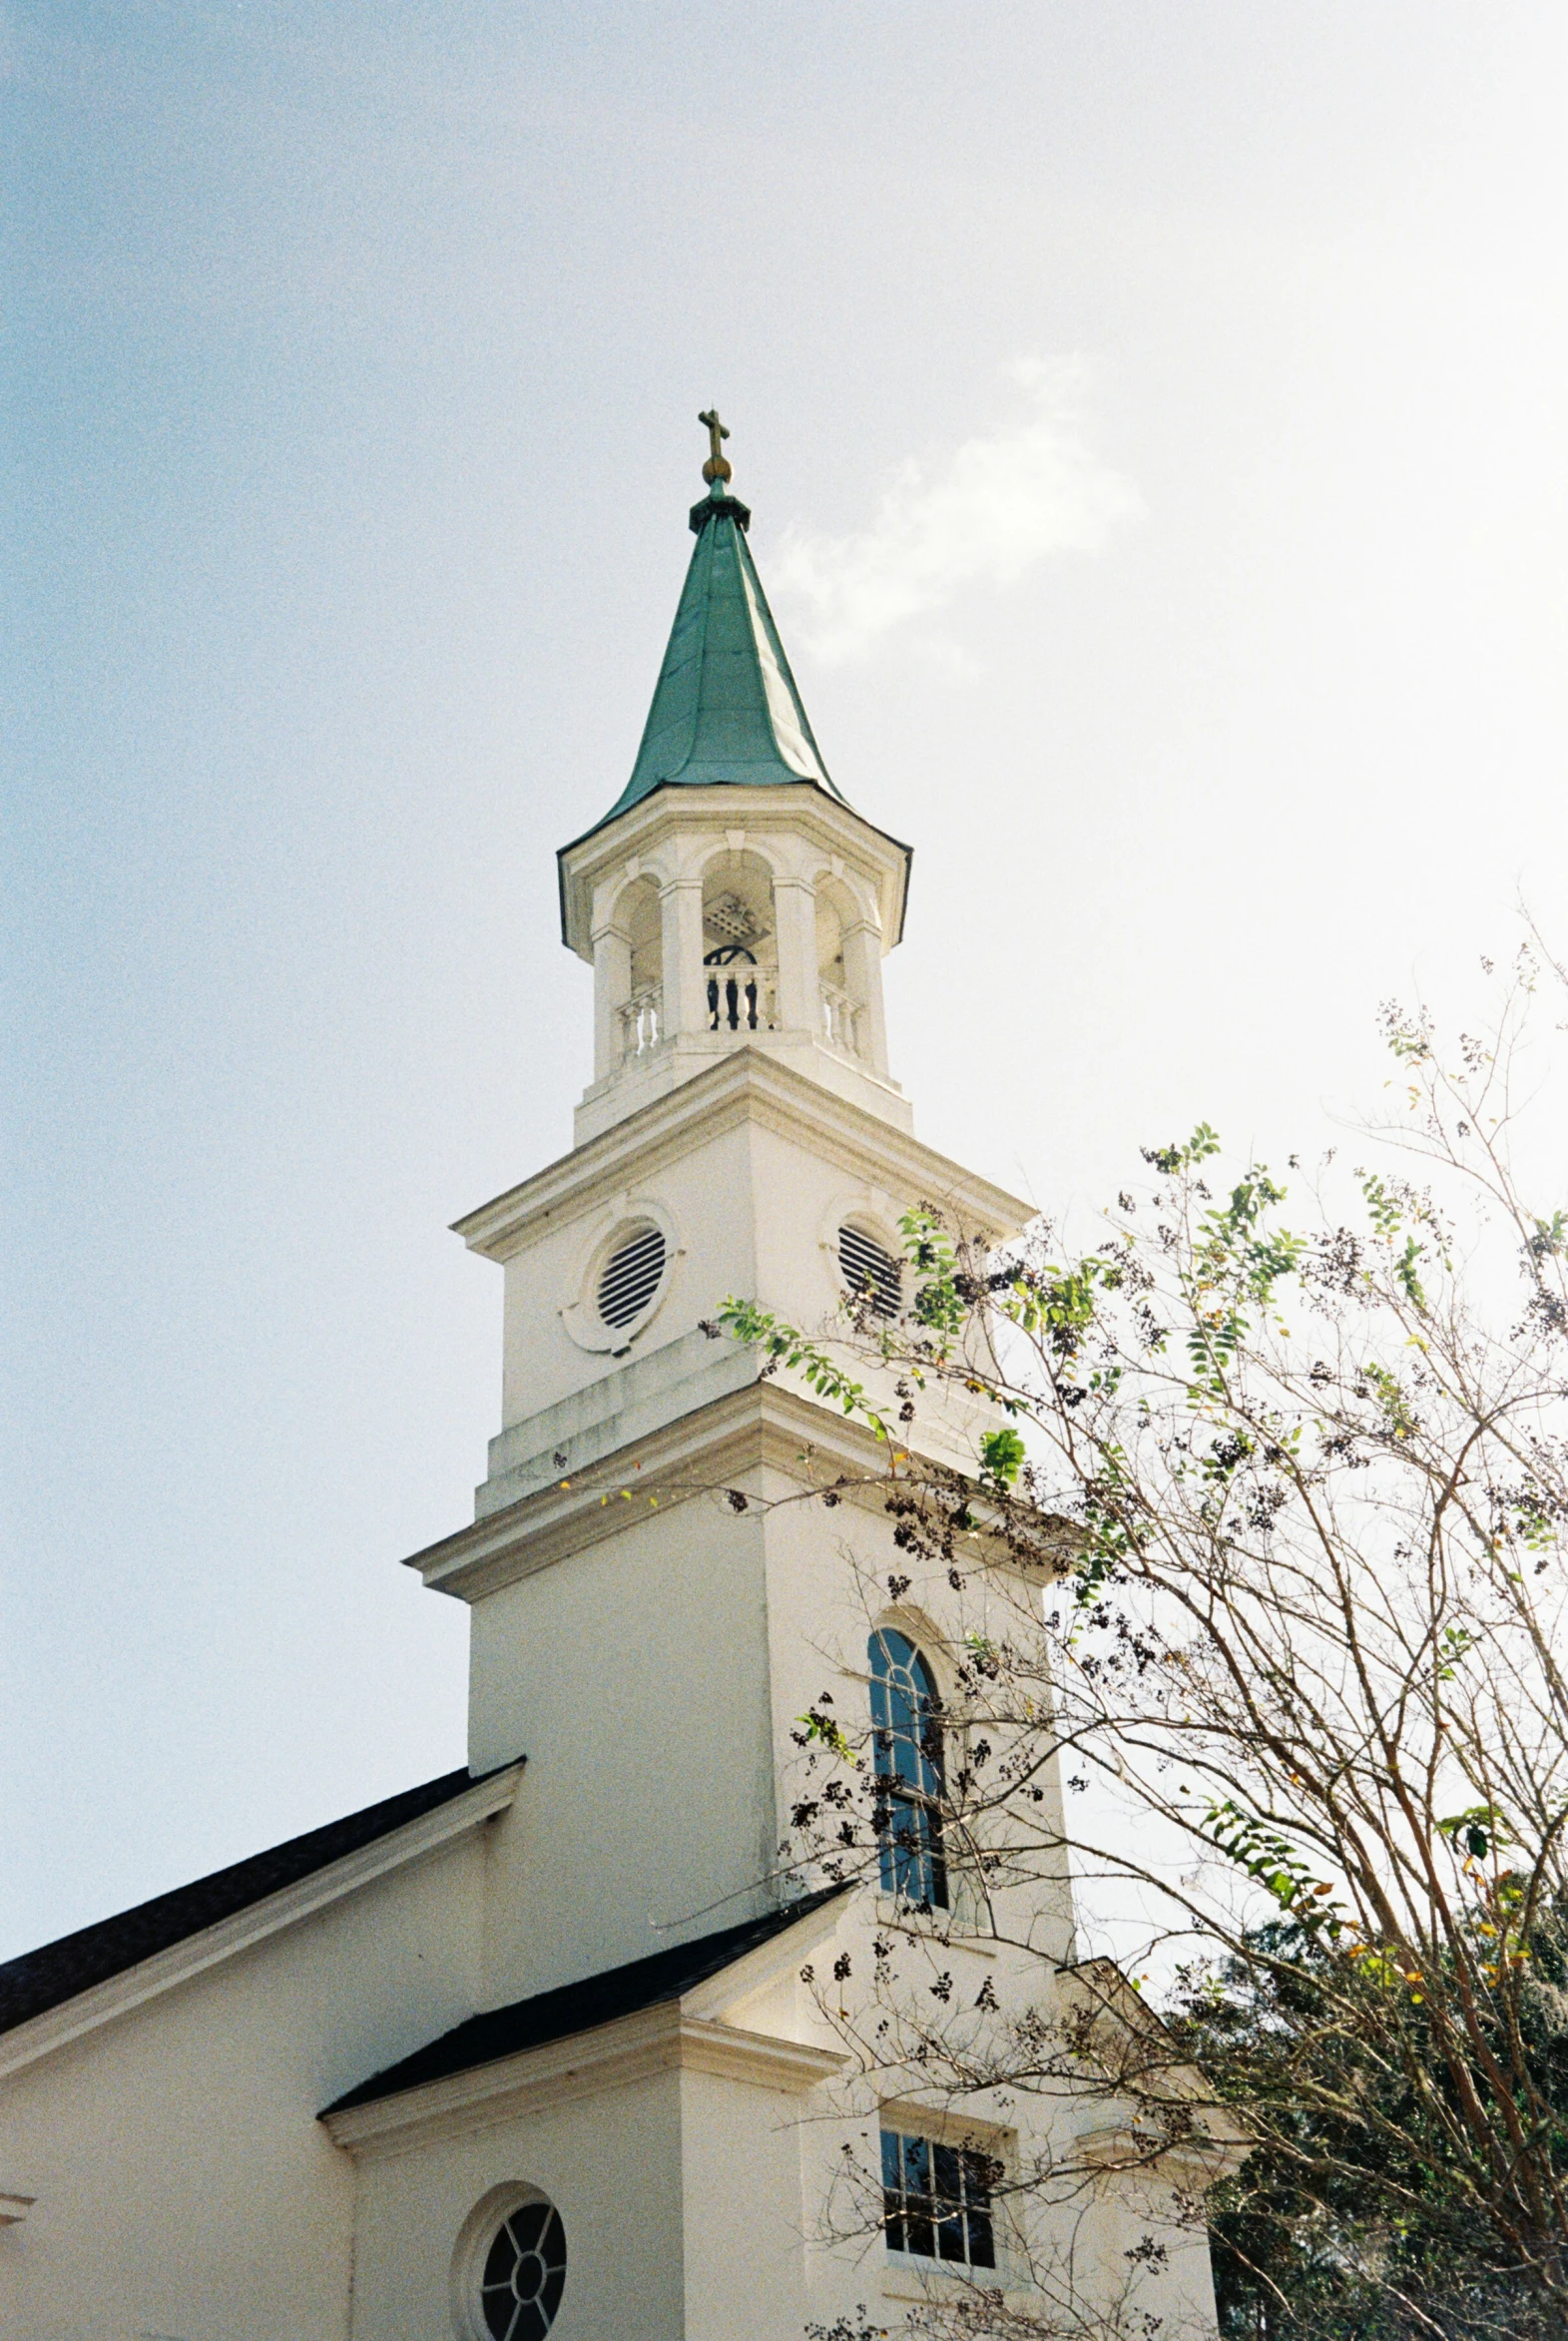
(744, 1086)
(664, 2039)
(762, 1423)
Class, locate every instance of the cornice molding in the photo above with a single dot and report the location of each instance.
(725, 811)
(103, 2003)
(763, 1423)
(654, 2041)
(1192, 2165)
(734, 1985)
(745, 1085)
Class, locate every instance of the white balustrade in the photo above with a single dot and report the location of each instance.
(841, 1020)
(641, 1023)
(742, 997)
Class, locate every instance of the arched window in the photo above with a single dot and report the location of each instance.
(524, 2274)
(906, 1739)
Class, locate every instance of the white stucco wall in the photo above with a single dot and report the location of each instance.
(829, 1583)
(751, 1184)
(610, 2165)
(635, 1677)
(184, 2189)
(705, 1196)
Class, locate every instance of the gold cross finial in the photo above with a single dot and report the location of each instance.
(716, 468)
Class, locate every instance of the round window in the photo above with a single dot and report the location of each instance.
(523, 2273)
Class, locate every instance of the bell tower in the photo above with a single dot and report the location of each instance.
(647, 1591)
(731, 898)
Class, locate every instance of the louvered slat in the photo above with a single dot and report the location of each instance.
(871, 1270)
(631, 1277)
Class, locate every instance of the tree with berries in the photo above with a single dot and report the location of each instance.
(1276, 1467)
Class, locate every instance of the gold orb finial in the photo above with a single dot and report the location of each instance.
(716, 468)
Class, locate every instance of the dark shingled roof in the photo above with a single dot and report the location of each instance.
(580, 2008)
(59, 1970)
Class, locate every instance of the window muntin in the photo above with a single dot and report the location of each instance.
(631, 1277)
(524, 2274)
(870, 1271)
(906, 1743)
(936, 2200)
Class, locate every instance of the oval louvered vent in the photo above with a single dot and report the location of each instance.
(631, 1277)
(869, 1271)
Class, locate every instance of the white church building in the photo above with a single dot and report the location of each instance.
(527, 2048)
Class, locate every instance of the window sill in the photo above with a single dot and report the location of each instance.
(921, 2279)
(942, 1926)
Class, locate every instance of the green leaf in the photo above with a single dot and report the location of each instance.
(1001, 1454)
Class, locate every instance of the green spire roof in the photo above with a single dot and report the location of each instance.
(725, 708)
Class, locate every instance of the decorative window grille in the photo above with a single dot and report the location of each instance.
(906, 1742)
(631, 1277)
(870, 1271)
(524, 2274)
(733, 921)
(936, 2200)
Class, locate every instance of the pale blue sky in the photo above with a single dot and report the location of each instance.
(1152, 417)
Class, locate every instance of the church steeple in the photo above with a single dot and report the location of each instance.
(732, 898)
(725, 710)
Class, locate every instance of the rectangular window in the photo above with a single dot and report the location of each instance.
(936, 2200)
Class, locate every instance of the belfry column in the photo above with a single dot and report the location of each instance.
(681, 909)
(799, 988)
(863, 950)
(612, 990)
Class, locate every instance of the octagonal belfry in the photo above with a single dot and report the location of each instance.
(731, 898)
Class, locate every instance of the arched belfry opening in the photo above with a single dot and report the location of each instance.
(630, 1004)
(642, 1017)
(843, 1008)
(740, 945)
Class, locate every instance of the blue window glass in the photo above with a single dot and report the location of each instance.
(906, 1741)
(936, 2200)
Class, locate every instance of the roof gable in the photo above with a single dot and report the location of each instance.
(58, 1972)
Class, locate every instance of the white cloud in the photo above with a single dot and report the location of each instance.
(999, 504)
